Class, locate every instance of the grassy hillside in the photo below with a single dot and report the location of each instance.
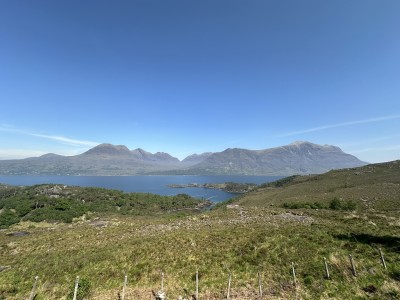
(374, 186)
(243, 238)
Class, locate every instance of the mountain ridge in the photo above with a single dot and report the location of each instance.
(296, 158)
(300, 157)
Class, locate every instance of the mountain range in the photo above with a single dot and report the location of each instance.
(106, 159)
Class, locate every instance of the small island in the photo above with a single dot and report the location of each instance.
(229, 187)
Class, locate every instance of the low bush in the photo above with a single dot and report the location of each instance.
(308, 205)
(340, 204)
(334, 204)
(83, 290)
(7, 218)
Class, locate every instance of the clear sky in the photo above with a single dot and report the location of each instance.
(192, 76)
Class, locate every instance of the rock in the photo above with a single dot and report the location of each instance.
(4, 268)
(18, 233)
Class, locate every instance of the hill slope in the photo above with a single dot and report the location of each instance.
(375, 186)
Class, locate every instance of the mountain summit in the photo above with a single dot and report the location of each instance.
(107, 159)
(108, 150)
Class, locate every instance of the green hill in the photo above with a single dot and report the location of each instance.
(375, 186)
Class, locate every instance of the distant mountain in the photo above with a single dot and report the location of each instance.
(108, 150)
(141, 154)
(104, 159)
(196, 158)
(296, 158)
(107, 159)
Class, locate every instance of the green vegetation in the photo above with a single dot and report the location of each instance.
(281, 182)
(83, 290)
(255, 233)
(335, 204)
(215, 243)
(371, 187)
(55, 203)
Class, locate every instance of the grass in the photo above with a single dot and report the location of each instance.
(371, 187)
(215, 243)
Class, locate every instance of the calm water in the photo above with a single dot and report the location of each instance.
(144, 184)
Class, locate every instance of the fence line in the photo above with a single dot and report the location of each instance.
(162, 295)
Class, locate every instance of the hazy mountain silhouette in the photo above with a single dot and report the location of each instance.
(107, 159)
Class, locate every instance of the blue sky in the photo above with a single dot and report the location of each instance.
(193, 76)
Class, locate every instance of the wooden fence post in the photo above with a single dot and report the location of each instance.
(353, 267)
(228, 295)
(33, 292)
(162, 282)
(76, 287)
(382, 258)
(124, 287)
(294, 275)
(260, 285)
(197, 284)
(326, 269)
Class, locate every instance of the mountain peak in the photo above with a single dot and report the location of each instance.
(108, 149)
(165, 157)
(139, 152)
(299, 143)
(309, 144)
(195, 158)
(50, 155)
(304, 144)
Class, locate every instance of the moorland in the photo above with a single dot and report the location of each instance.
(58, 232)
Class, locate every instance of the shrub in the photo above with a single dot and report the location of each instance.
(335, 204)
(7, 218)
(308, 280)
(280, 182)
(308, 205)
(83, 290)
(339, 204)
(394, 272)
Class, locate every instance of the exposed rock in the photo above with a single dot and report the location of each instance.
(293, 217)
(18, 233)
